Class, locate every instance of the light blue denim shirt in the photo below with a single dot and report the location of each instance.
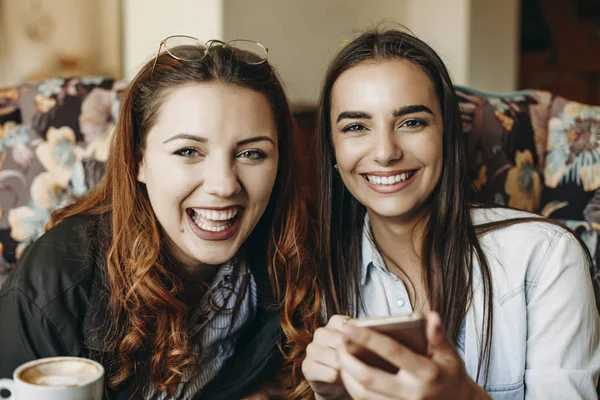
(546, 328)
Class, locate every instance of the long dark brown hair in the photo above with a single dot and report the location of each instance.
(147, 336)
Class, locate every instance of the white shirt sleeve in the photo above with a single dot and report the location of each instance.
(563, 327)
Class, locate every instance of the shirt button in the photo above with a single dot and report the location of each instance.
(400, 302)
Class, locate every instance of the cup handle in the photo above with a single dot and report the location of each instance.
(8, 384)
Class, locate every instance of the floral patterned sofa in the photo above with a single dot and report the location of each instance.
(538, 152)
(531, 150)
(54, 139)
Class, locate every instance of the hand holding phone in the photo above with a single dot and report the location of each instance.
(429, 363)
(408, 330)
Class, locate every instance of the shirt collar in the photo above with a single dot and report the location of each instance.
(370, 255)
(97, 315)
(224, 290)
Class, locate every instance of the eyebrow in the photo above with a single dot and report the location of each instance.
(353, 115)
(187, 136)
(254, 140)
(412, 109)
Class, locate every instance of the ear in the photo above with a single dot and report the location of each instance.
(141, 176)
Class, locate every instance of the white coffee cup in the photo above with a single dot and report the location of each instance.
(56, 378)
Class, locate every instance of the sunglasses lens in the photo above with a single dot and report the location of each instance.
(248, 51)
(185, 48)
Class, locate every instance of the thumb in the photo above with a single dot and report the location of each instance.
(436, 335)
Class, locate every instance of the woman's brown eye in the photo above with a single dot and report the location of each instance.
(187, 152)
(414, 123)
(252, 154)
(353, 128)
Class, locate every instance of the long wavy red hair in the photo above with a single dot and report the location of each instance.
(147, 336)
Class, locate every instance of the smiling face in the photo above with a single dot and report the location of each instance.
(387, 130)
(209, 166)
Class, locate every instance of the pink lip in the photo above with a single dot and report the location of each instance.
(221, 208)
(389, 173)
(216, 236)
(387, 189)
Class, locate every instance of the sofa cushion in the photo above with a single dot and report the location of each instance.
(538, 152)
(53, 144)
(572, 168)
(10, 120)
(506, 138)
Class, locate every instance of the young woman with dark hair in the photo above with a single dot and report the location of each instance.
(401, 232)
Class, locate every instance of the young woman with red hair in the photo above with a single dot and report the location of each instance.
(173, 271)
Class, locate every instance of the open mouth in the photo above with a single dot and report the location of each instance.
(389, 180)
(214, 220)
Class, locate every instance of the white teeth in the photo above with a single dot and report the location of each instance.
(214, 215)
(201, 215)
(389, 180)
(206, 227)
(212, 228)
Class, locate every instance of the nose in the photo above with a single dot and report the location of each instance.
(386, 148)
(220, 178)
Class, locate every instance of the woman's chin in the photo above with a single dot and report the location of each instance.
(215, 259)
(389, 213)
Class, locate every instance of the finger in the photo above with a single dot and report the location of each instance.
(370, 379)
(323, 355)
(358, 392)
(337, 322)
(440, 345)
(317, 372)
(328, 337)
(388, 349)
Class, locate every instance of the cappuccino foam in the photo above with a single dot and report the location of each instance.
(60, 373)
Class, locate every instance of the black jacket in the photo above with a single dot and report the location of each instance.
(55, 300)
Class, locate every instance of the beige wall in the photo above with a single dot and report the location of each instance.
(147, 22)
(494, 45)
(302, 36)
(477, 39)
(81, 28)
(444, 25)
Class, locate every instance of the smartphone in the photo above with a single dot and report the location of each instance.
(408, 330)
